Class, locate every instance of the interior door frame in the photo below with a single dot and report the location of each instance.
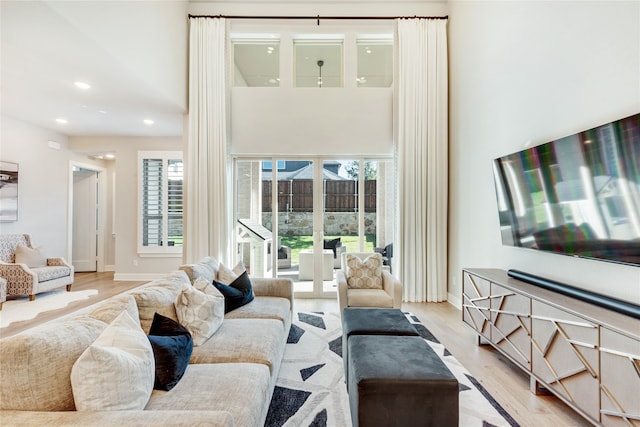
(102, 209)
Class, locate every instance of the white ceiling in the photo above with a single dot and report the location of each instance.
(132, 53)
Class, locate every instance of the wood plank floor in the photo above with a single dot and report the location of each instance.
(506, 383)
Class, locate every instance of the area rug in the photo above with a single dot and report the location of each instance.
(310, 389)
(20, 309)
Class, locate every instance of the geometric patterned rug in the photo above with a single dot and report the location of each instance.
(310, 389)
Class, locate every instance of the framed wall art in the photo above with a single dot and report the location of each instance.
(8, 191)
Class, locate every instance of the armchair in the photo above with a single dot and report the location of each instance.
(24, 280)
(390, 296)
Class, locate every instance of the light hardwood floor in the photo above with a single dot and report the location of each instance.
(506, 383)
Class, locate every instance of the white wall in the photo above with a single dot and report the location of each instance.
(126, 202)
(43, 183)
(523, 73)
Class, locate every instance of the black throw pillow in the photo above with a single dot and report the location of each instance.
(237, 293)
(172, 346)
(332, 244)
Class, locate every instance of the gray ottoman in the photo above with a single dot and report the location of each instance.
(372, 321)
(399, 381)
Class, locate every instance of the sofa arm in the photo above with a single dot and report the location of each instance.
(342, 290)
(58, 262)
(113, 418)
(269, 287)
(17, 275)
(393, 287)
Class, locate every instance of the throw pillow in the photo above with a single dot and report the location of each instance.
(117, 371)
(365, 274)
(332, 244)
(172, 346)
(237, 293)
(226, 275)
(200, 313)
(33, 257)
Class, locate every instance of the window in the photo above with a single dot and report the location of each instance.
(267, 165)
(256, 61)
(318, 63)
(375, 61)
(161, 202)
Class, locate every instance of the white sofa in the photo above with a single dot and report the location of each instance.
(229, 381)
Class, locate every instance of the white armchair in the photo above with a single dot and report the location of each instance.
(390, 296)
(24, 280)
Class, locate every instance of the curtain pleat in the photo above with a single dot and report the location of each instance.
(207, 199)
(423, 158)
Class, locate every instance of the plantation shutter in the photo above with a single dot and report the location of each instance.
(152, 206)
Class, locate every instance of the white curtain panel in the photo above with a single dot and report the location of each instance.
(422, 158)
(207, 204)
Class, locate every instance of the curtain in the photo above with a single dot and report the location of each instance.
(422, 138)
(207, 204)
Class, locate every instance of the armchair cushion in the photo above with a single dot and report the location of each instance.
(33, 257)
(50, 273)
(365, 274)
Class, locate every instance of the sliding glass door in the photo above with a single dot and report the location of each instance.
(296, 217)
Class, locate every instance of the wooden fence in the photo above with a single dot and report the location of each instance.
(339, 196)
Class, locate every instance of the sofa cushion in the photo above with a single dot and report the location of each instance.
(109, 309)
(237, 293)
(364, 274)
(242, 389)
(264, 308)
(159, 296)
(172, 346)
(201, 313)
(51, 273)
(369, 298)
(226, 275)
(35, 365)
(116, 372)
(244, 340)
(33, 257)
(194, 271)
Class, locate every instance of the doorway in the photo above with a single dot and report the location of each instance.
(86, 233)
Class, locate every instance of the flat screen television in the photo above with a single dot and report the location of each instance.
(578, 195)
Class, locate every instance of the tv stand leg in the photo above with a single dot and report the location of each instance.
(536, 388)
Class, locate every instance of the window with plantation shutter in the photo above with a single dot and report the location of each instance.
(161, 202)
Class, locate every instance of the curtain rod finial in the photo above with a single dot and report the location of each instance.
(318, 17)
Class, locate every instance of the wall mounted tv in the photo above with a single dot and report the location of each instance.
(578, 195)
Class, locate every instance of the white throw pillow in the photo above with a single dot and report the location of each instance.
(33, 257)
(226, 275)
(117, 371)
(200, 311)
(365, 274)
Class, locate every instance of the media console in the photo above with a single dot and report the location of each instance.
(586, 354)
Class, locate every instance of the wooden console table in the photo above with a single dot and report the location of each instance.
(586, 355)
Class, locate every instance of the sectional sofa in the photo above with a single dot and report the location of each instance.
(229, 380)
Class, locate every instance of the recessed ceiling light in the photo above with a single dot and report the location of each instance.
(110, 156)
(102, 112)
(62, 121)
(82, 85)
(148, 122)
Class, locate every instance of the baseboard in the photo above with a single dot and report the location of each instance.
(138, 277)
(454, 301)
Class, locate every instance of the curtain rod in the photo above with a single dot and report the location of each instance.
(317, 17)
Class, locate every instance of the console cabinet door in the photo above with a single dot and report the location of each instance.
(565, 356)
(476, 303)
(511, 324)
(620, 379)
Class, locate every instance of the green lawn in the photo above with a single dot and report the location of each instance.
(297, 243)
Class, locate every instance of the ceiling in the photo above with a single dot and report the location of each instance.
(132, 53)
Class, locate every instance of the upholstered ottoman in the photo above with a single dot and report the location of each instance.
(399, 381)
(3, 291)
(372, 321)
